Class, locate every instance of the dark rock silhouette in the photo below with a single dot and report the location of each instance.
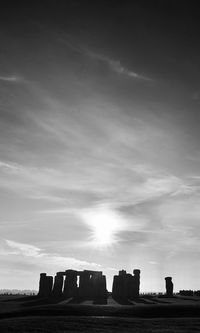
(85, 285)
(58, 284)
(136, 277)
(126, 286)
(99, 287)
(77, 286)
(45, 285)
(70, 284)
(74, 284)
(169, 286)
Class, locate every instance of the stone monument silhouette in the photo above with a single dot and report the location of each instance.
(45, 285)
(92, 285)
(126, 286)
(169, 286)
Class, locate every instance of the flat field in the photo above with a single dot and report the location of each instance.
(58, 324)
(149, 314)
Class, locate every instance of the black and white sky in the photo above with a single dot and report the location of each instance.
(99, 140)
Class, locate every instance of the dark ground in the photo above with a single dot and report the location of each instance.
(149, 314)
(98, 324)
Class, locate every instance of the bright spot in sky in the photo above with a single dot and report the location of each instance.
(104, 224)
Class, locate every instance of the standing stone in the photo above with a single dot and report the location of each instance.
(131, 288)
(118, 287)
(136, 287)
(115, 286)
(45, 285)
(94, 284)
(99, 288)
(103, 288)
(85, 285)
(70, 284)
(42, 284)
(58, 285)
(48, 286)
(126, 286)
(169, 286)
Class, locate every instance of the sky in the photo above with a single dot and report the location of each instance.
(99, 140)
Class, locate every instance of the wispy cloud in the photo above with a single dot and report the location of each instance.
(115, 65)
(11, 79)
(41, 257)
(30, 180)
(25, 249)
(11, 167)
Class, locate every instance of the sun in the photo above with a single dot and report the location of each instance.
(104, 223)
(103, 232)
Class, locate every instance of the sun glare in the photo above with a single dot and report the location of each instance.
(104, 224)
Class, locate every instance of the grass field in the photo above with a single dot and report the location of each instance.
(153, 315)
(62, 324)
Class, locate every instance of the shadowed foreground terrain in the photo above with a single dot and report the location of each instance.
(148, 314)
(98, 324)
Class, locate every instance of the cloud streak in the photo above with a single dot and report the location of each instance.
(114, 65)
(10, 79)
(117, 67)
(40, 257)
(25, 249)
